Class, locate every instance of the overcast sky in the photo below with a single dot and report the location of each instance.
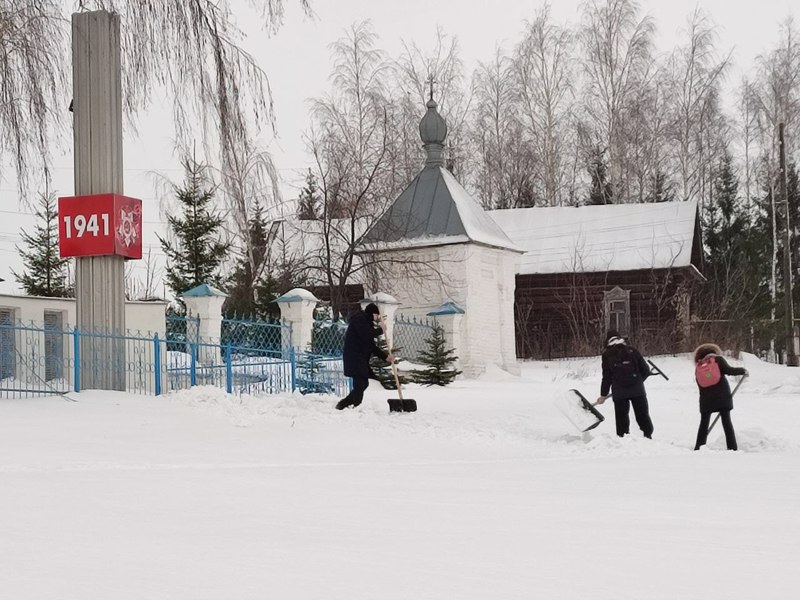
(298, 64)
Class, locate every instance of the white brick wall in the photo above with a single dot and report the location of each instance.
(479, 279)
(147, 317)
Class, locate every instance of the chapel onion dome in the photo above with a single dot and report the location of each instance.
(432, 127)
(433, 131)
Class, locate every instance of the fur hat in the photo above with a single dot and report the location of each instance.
(613, 337)
(372, 309)
(704, 350)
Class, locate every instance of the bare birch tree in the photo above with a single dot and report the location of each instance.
(505, 170)
(416, 69)
(349, 141)
(188, 48)
(748, 137)
(617, 61)
(33, 103)
(250, 183)
(777, 90)
(696, 77)
(647, 174)
(543, 69)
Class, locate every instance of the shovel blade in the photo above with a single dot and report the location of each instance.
(404, 405)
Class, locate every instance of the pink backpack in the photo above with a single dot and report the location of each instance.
(707, 372)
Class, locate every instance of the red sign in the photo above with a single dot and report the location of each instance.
(100, 225)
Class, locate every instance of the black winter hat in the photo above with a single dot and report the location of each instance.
(372, 309)
(612, 333)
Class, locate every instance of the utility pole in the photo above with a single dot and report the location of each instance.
(791, 354)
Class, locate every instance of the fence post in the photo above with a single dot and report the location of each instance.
(228, 369)
(293, 367)
(193, 365)
(157, 360)
(76, 344)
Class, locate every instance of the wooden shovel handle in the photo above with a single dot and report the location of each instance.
(397, 382)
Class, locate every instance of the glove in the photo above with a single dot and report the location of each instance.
(600, 399)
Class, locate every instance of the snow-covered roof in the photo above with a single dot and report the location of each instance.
(435, 210)
(612, 237)
(296, 294)
(381, 298)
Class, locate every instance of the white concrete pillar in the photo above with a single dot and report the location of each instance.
(388, 306)
(204, 302)
(297, 308)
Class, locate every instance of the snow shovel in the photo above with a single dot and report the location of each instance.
(400, 404)
(656, 370)
(579, 411)
(733, 393)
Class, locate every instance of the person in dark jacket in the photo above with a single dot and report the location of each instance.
(624, 372)
(717, 397)
(359, 344)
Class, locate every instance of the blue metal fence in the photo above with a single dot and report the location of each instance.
(256, 358)
(411, 336)
(44, 360)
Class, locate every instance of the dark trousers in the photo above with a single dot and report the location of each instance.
(640, 410)
(727, 426)
(356, 395)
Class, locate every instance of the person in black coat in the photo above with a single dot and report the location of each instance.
(359, 344)
(624, 372)
(717, 397)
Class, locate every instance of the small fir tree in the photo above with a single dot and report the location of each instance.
(196, 255)
(308, 199)
(247, 295)
(309, 368)
(45, 272)
(601, 191)
(439, 360)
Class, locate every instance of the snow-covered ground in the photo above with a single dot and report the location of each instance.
(486, 492)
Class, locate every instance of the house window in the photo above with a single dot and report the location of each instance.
(53, 345)
(617, 310)
(8, 350)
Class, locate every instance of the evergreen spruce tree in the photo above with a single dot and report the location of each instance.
(661, 191)
(600, 191)
(309, 369)
(45, 272)
(736, 248)
(249, 294)
(252, 296)
(197, 253)
(439, 360)
(308, 199)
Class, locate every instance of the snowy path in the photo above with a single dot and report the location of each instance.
(203, 496)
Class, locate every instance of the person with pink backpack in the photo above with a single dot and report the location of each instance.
(715, 392)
